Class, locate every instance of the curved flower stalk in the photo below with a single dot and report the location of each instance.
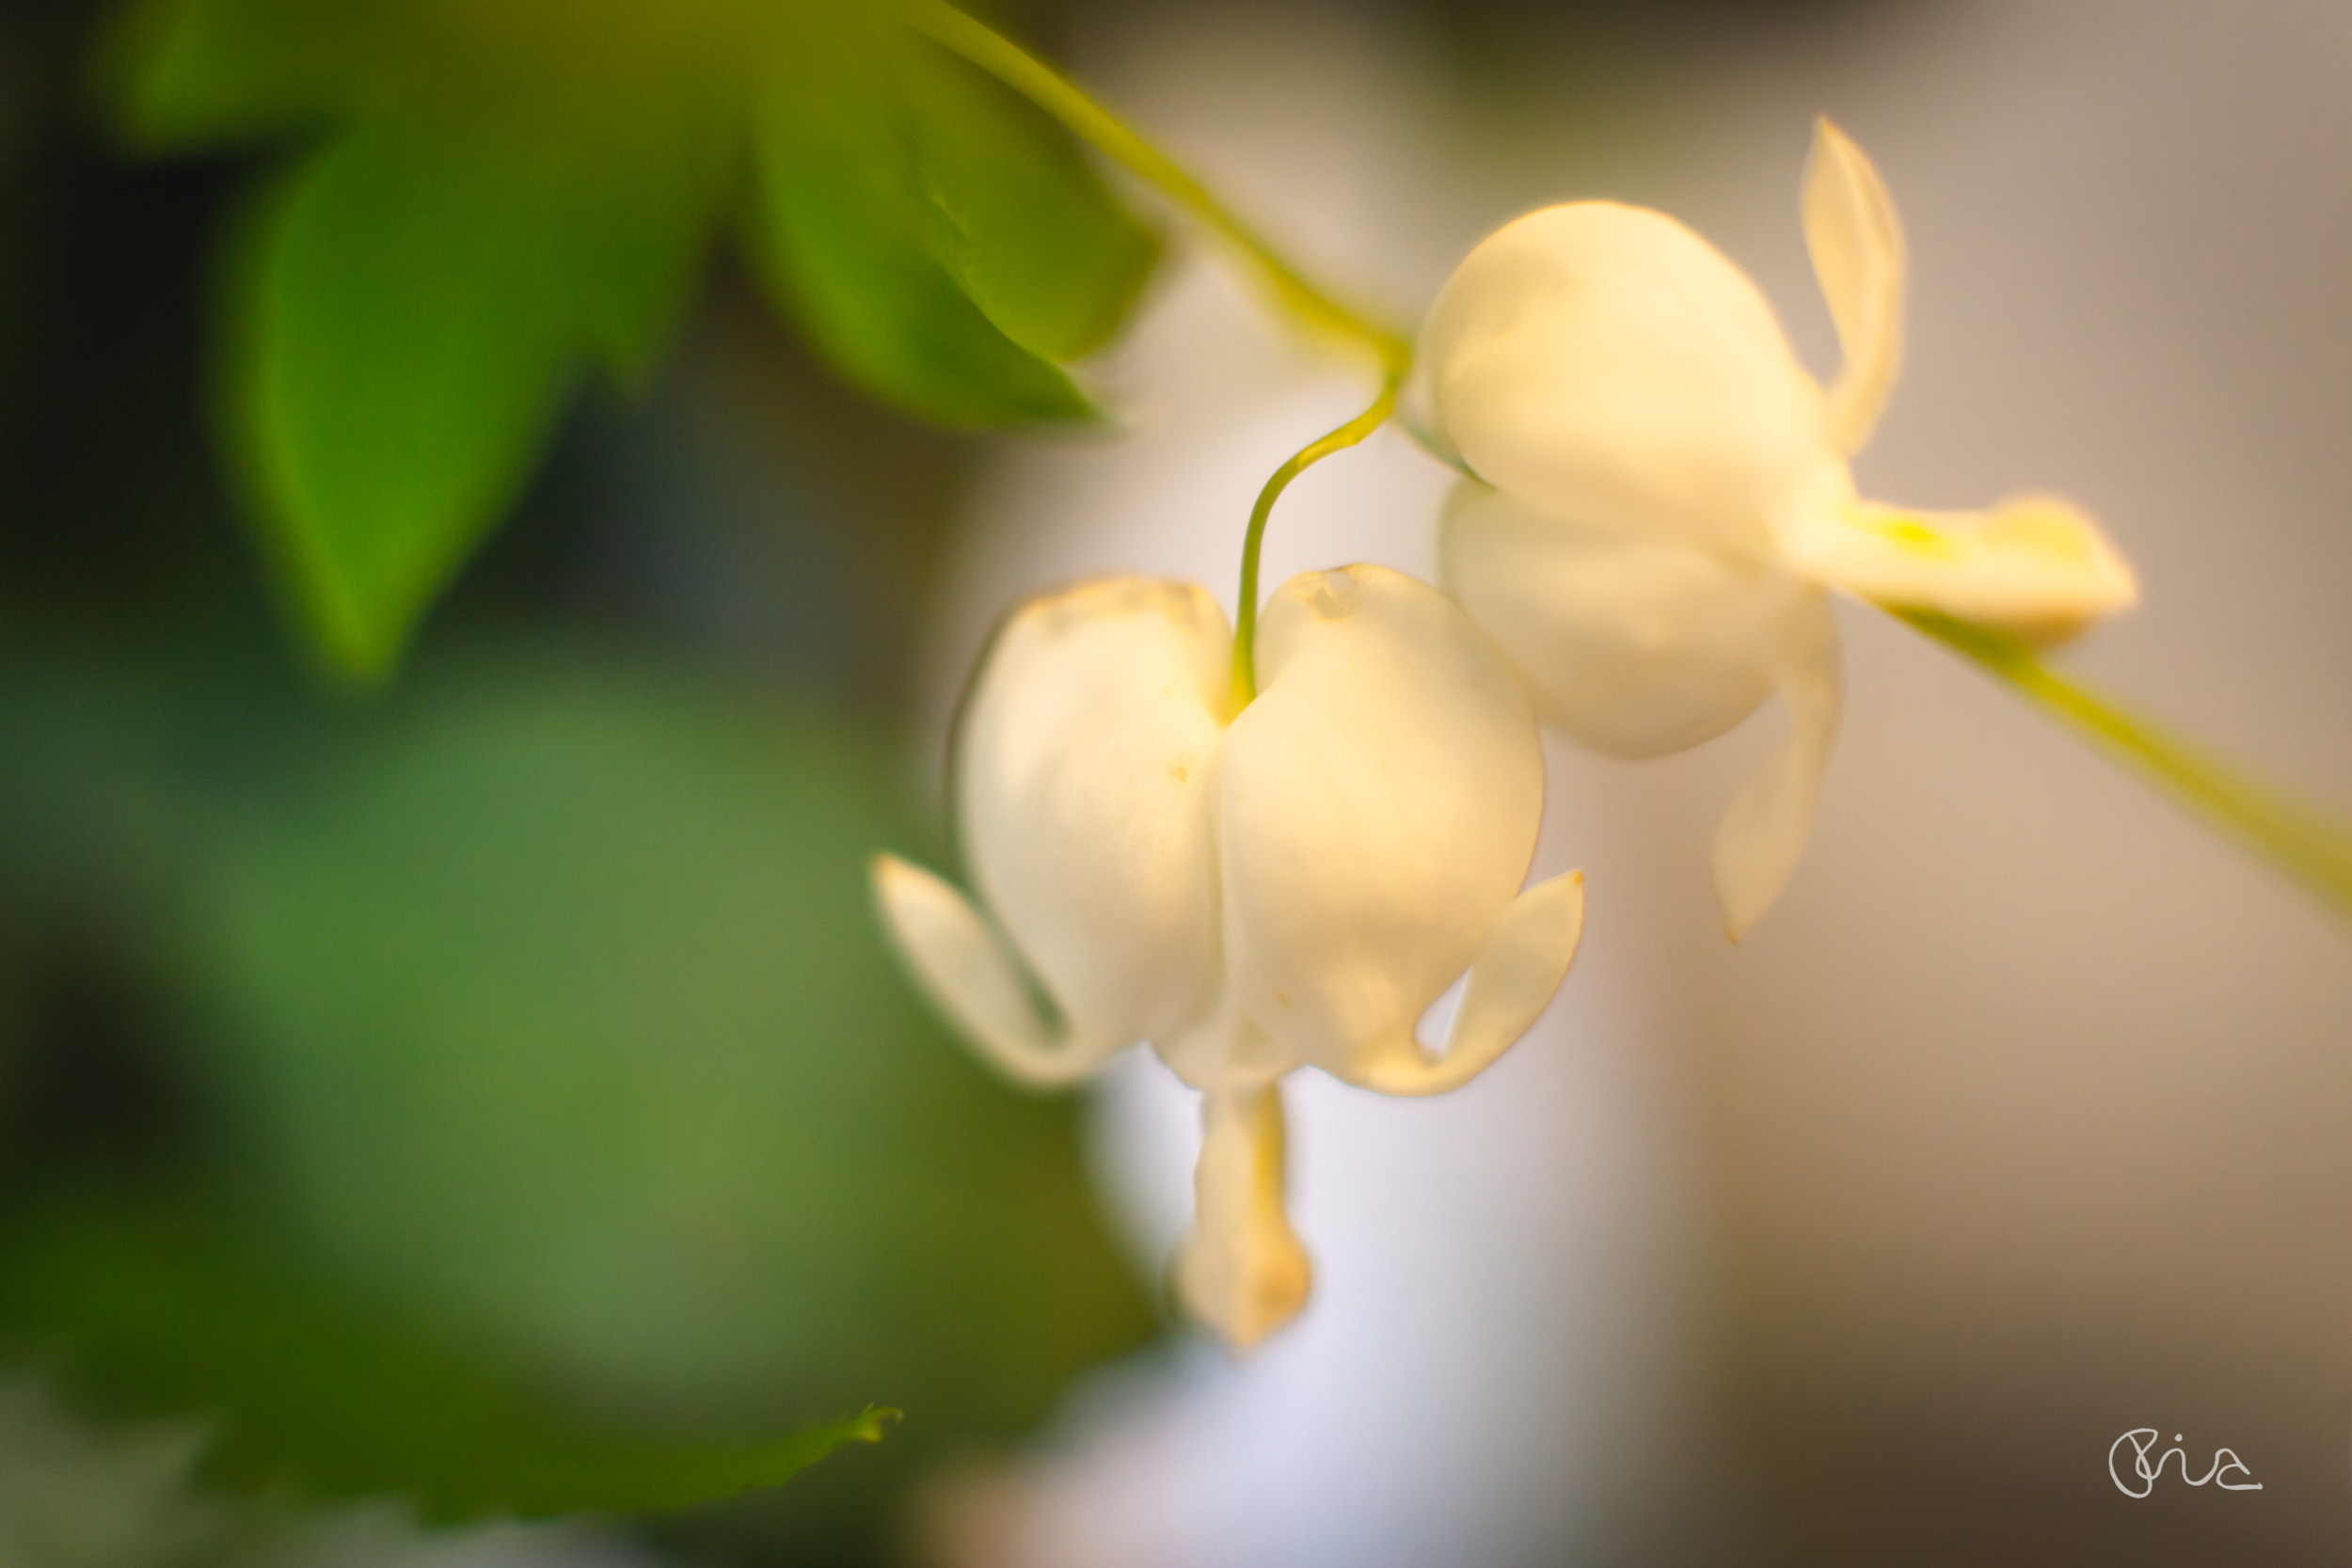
(1250, 888)
(1661, 494)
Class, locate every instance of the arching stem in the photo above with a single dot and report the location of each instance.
(2299, 840)
(1107, 135)
(1245, 617)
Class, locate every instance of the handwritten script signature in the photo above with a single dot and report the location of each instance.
(2138, 1477)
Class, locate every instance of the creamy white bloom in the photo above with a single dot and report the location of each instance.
(1662, 492)
(1292, 885)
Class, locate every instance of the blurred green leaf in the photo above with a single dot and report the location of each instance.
(501, 190)
(190, 75)
(315, 1390)
(545, 1074)
(942, 239)
(563, 1014)
(414, 307)
(184, 75)
(1017, 214)
(844, 247)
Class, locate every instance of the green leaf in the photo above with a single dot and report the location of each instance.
(545, 1079)
(311, 1389)
(846, 236)
(561, 1012)
(409, 313)
(182, 75)
(501, 192)
(1032, 234)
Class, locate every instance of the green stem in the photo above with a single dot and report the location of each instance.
(1245, 617)
(1100, 129)
(2299, 841)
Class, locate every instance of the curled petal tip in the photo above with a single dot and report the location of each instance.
(1763, 832)
(970, 975)
(1856, 244)
(1513, 978)
(2034, 566)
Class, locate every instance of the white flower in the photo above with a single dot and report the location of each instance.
(1288, 885)
(1661, 491)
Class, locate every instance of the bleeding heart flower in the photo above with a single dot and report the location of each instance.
(1292, 885)
(1661, 492)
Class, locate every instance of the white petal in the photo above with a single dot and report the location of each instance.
(1377, 810)
(1607, 365)
(1416, 412)
(969, 977)
(1857, 248)
(2034, 565)
(1763, 834)
(1512, 980)
(1084, 774)
(1633, 647)
(1241, 1270)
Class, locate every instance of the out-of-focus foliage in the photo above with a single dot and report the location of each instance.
(945, 244)
(409, 309)
(566, 1129)
(483, 200)
(308, 1389)
(562, 1009)
(493, 1096)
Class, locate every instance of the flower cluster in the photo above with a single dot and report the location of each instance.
(1259, 881)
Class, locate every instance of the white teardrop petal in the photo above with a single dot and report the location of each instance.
(964, 968)
(2034, 565)
(1609, 366)
(1857, 249)
(1084, 774)
(1241, 1270)
(1632, 646)
(1763, 834)
(1378, 805)
(1511, 981)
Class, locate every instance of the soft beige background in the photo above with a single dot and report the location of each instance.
(2027, 1117)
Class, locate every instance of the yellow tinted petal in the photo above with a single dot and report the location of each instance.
(1857, 249)
(1377, 808)
(1608, 366)
(1241, 1269)
(2034, 565)
(1763, 834)
(965, 971)
(1511, 981)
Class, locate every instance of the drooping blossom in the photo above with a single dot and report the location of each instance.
(1251, 889)
(1661, 497)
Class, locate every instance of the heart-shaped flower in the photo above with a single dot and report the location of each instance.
(1290, 884)
(1661, 492)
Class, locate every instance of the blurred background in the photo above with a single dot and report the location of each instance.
(461, 1050)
